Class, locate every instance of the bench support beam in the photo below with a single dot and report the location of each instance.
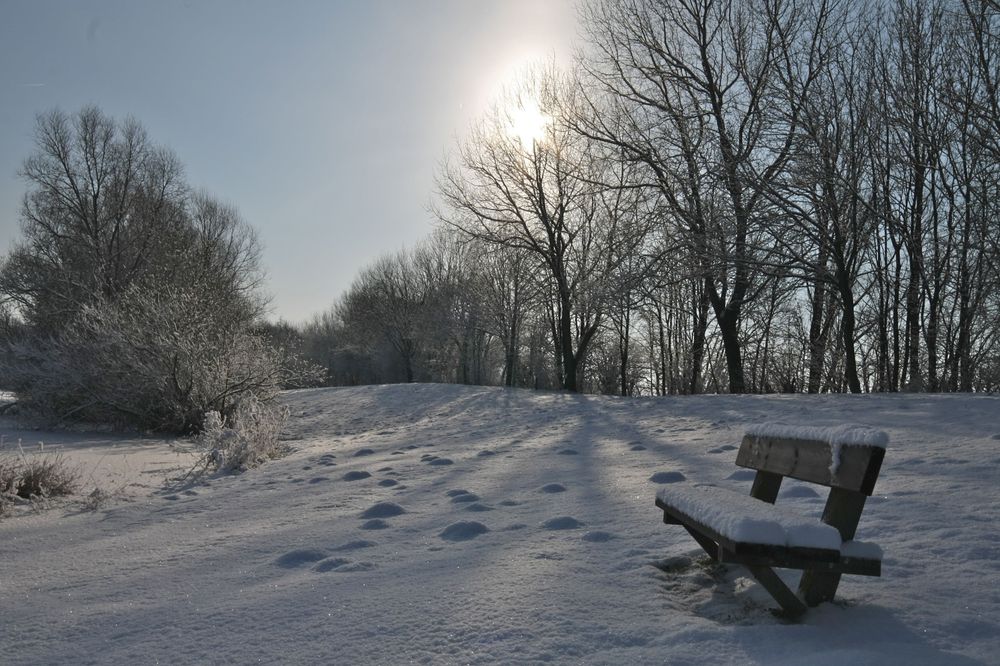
(843, 511)
(776, 587)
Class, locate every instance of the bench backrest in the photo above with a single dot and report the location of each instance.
(851, 462)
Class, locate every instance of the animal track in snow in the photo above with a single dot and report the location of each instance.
(477, 507)
(437, 462)
(637, 447)
(553, 488)
(363, 452)
(465, 497)
(388, 483)
(356, 475)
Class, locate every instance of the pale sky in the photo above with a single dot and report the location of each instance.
(322, 121)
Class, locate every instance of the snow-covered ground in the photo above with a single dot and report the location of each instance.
(445, 524)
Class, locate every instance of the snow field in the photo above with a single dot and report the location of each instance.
(445, 524)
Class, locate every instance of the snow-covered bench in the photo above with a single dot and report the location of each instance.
(752, 531)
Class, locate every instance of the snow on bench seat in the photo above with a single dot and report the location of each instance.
(743, 519)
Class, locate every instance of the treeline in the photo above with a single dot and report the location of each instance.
(132, 298)
(724, 195)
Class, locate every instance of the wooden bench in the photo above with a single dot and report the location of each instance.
(752, 531)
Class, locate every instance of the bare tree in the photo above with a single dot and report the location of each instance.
(542, 195)
(711, 92)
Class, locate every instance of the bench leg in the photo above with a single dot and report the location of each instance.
(787, 599)
(818, 586)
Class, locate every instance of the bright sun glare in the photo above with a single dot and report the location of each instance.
(528, 124)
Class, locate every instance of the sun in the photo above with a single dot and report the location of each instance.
(528, 123)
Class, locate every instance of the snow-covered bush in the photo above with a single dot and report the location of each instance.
(247, 438)
(155, 358)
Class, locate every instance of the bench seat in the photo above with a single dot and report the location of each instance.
(746, 530)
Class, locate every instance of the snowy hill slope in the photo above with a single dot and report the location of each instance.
(445, 524)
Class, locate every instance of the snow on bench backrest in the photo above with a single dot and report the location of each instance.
(846, 457)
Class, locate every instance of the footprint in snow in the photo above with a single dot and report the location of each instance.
(297, 558)
(383, 510)
(463, 530)
(375, 524)
(437, 462)
(363, 452)
(341, 565)
(330, 563)
(567, 452)
(667, 477)
(553, 488)
(356, 476)
(597, 536)
(742, 475)
(398, 453)
(562, 523)
(190, 493)
(465, 497)
(306, 468)
(384, 469)
(799, 491)
(457, 491)
(410, 447)
(428, 456)
(319, 479)
(486, 453)
(510, 503)
(477, 507)
(637, 447)
(388, 483)
(171, 497)
(356, 545)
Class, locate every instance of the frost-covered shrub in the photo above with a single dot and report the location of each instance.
(35, 476)
(155, 359)
(247, 438)
(46, 476)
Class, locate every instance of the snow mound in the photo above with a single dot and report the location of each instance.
(383, 510)
(562, 523)
(667, 477)
(463, 530)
